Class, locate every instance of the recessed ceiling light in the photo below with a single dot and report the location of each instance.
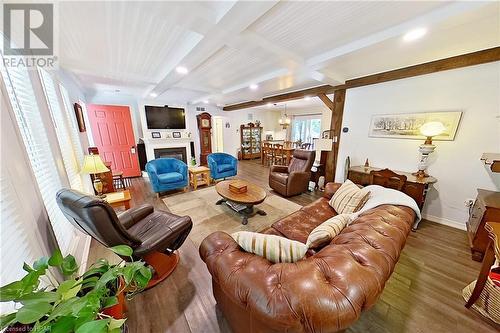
(307, 98)
(269, 105)
(414, 34)
(181, 70)
(254, 86)
(153, 94)
(205, 102)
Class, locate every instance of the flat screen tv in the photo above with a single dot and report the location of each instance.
(165, 117)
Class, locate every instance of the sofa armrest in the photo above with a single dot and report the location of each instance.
(133, 215)
(182, 169)
(299, 179)
(330, 189)
(327, 291)
(279, 168)
(234, 162)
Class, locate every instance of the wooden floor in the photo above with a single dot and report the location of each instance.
(423, 294)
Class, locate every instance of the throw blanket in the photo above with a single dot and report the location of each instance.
(380, 195)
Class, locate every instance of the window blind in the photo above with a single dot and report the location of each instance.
(63, 132)
(18, 245)
(73, 126)
(27, 113)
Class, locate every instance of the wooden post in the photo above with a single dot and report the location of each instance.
(337, 108)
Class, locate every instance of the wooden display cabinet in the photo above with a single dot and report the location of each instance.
(251, 141)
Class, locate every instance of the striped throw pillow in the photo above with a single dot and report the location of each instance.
(327, 230)
(273, 248)
(349, 198)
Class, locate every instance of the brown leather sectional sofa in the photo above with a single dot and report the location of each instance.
(325, 292)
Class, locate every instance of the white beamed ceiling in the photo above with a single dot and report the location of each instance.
(135, 46)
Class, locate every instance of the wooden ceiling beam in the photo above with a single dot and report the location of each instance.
(325, 89)
(327, 101)
(464, 60)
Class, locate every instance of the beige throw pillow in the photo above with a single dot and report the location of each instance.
(327, 230)
(349, 198)
(273, 248)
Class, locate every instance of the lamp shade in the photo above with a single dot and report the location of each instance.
(323, 144)
(432, 128)
(93, 164)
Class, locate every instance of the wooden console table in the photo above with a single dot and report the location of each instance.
(415, 187)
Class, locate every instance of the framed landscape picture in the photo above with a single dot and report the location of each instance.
(407, 125)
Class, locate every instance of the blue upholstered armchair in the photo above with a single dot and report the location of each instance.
(222, 165)
(167, 174)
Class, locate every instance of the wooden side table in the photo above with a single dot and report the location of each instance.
(199, 176)
(119, 198)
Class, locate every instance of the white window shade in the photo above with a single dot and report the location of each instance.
(72, 125)
(27, 113)
(63, 132)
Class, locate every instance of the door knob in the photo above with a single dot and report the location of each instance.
(132, 150)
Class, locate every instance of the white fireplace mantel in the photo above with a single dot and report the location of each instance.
(152, 144)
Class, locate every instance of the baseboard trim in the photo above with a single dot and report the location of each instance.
(441, 220)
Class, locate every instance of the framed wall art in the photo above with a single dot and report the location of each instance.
(79, 117)
(407, 125)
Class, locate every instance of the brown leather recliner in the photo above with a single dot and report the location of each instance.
(153, 235)
(293, 179)
(325, 292)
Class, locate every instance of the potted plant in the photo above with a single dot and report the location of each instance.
(92, 302)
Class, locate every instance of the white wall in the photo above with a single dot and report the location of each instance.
(473, 90)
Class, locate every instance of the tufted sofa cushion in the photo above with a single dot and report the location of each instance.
(325, 292)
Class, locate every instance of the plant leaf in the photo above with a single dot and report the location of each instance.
(43, 296)
(63, 325)
(69, 289)
(7, 320)
(32, 312)
(64, 308)
(109, 301)
(122, 250)
(95, 326)
(115, 324)
(11, 291)
(27, 268)
(30, 281)
(143, 277)
(41, 264)
(56, 259)
(69, 265)
(108, 276)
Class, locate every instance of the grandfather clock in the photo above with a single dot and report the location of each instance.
(204, 126)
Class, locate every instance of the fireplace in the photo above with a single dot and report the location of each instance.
(177, 152)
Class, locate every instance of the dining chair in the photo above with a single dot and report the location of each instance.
(279, 154)
(267, 153)
(305, 146)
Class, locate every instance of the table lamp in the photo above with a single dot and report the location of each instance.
(93, 164)
(430, 130)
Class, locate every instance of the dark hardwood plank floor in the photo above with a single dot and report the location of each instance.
(422, 295)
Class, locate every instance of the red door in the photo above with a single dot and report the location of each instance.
(114, 137)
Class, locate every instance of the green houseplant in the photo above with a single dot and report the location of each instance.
(78, 303)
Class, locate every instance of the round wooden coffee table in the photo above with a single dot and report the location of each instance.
(242, 203)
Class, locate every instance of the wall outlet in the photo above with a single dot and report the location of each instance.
(469, 202)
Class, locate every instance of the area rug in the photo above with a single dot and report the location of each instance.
(208, 217)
